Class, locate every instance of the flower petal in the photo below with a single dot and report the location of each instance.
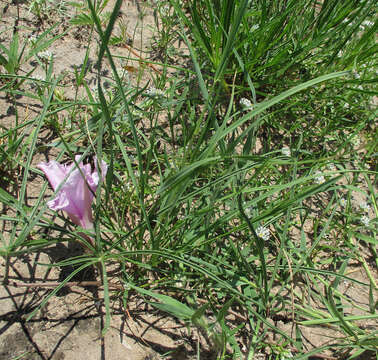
(95, 178)
(75, 195)
(54, 172)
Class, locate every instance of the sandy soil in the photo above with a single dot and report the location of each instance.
(69, 325)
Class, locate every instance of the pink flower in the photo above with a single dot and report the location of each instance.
(75, 196)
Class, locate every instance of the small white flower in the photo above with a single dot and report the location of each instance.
(153, 92)
(164, 10)
(319, 178)
(355, 141)
(331, 166)
(367, 23)
(37, 81)
(340, 54)
(343, 202)
(286, 151)
(360, 87)
(254, 27)
(364, 206)
(33, 39)
(245, 104)
(45, 55)
(263, 233)
(38, 78)
(346, 106)
(365, 220)
(248, 211)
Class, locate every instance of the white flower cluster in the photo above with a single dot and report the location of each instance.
(37, 81)
(343, 202)
(367, 23)
(153, 92)
(286, 151)
(33, 39)
(365, 220)
(45, 55)
(38, 78)
(263, 233)
(319, 178)
(355, 141)
(331, 166)
(364, 206)
(247, 210)
(165, 10)
(245, 104)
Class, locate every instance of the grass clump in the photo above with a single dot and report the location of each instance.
(235, 216)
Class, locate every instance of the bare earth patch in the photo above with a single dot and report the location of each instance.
(69, 326)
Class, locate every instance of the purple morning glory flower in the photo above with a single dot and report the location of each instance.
(75, 196)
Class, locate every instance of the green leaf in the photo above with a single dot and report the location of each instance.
(167, 304)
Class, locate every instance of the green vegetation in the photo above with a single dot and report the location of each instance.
(241, 177)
